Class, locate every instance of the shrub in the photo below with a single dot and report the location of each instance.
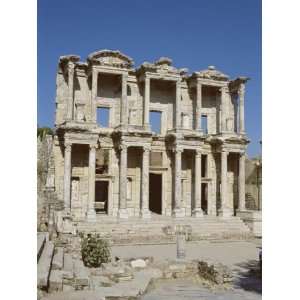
(94, 250)
(207, 272)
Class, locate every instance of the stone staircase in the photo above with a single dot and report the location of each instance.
(56, 270)
(160, 230)
(250, 202)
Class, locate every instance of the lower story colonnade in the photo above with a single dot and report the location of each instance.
(139, 180)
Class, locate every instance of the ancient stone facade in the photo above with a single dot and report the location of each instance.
(193, 164)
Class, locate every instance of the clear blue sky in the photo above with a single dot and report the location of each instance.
(194, 33)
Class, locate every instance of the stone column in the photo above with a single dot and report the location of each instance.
(224, 211)
(67, 176)
(91, 213)
(198, 106)
(124, 104)
(123, 183)
(241, 93)
(145, 213)
(223, 108)
(177, 105)
(70, 105)
(146, 102)
(178, 211)
(241, 183)
(197, 212)
(94, 95)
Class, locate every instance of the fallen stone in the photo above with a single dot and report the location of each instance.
(138, 263)
(101, 281)
(177, 267)
(55, 281)
(119, 277)
(58, 259)
(68, 288)
(81, 273)
(68, 270)
(44, 265)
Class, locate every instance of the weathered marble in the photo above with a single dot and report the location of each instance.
(178, 170)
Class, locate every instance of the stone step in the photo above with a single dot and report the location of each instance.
(81, 273)
(41, 240)
(44, 265)
(55, 281)
(58, 258)
(68, 269)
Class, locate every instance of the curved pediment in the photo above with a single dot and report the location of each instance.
(113, 58)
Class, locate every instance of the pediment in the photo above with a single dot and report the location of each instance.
(111, 58)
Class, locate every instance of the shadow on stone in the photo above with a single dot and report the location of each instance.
(249, 276)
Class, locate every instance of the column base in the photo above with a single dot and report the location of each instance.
(145, 214)
(91, 215)
(197, 213)
(179, 212)
(225, 213)
(123, 213)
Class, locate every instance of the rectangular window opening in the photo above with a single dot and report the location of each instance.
(204, 124)
(155, 121)
(103, 116)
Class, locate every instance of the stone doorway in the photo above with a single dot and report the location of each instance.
(155, 193)
(101, 197)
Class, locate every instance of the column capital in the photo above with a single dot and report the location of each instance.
(225, 151)
(198, 152)
(147, 148)
(242, 154)
(93, 146)
(178, 150)
(68, 146)
(123, 147)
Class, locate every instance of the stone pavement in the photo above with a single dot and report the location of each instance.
(185, 289)
(230, 253)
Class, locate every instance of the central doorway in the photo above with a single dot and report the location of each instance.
(101, 197)
(155, 193)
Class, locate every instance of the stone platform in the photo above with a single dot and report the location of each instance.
(162, 229)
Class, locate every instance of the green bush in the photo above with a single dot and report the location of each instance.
(207, 272)
(94, 251)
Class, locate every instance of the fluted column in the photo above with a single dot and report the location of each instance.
(91, 213)
(197, 212)
(145, 213)
(123, 183)
(70, 104)
(124, 104)
(241, 93)
(67, 176)
(242, 205)
(94, 95)
(146, 102)
(198, 106)
(178, 211)
(177, 105)
(224, 211)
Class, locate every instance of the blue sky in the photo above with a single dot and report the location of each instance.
(194, 33)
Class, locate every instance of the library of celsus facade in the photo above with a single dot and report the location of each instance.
(151, 140)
